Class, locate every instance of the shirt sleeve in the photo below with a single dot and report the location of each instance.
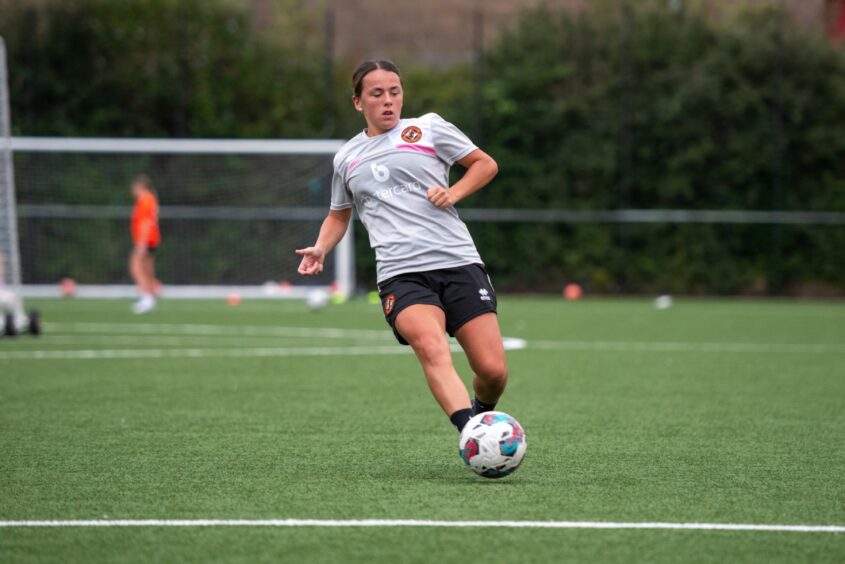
(341, 197)
(450, 143)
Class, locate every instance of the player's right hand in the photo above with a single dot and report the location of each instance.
(312, 261)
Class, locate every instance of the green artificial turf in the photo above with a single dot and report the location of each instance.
(710, 411)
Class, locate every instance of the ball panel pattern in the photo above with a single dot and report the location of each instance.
(493, 444)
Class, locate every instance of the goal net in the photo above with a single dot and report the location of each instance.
(231, 214)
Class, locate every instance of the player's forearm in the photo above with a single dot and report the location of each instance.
(477, 176)
(333, 229)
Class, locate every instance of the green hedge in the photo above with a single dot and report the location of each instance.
(651, 108)
(610, 107)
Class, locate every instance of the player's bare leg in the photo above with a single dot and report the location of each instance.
(138, 270)
(150, 274)
(424, 327)
(481, 340)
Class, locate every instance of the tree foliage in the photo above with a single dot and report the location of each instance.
(650, 108)
(620, 105)
(186, 68)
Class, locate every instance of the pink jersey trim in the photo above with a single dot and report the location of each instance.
(418, 148)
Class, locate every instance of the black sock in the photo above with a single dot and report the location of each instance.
(479, 406)
(460, 418)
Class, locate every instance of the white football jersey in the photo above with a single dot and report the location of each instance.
(387, 177)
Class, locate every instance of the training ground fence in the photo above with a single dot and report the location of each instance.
(233, 211)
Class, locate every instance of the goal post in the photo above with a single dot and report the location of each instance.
(231, 211)
(11, 303)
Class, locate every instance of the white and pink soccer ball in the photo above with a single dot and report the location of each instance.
(493, 444)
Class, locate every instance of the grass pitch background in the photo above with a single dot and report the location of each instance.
(711, 411)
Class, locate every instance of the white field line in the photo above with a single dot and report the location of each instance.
(205, 353)
(121, 333)
(112, 354)
(363, 350)
(510, 343)
(213, 330)
(662, 347)
(428, 523)
(174, 341)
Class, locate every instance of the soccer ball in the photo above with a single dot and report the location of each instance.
(663, 302)
(493, 444)
(317, 299)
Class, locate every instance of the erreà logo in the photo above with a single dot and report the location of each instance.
(411, 134)
(380, 172)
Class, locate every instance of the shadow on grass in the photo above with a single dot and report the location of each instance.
(460, 474)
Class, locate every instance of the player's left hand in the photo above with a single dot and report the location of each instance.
(312, 261)
(440, 197)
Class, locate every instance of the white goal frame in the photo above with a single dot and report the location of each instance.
(10, 271)
(344, 253)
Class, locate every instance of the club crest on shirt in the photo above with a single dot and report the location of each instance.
(389, 302)
(411, 134)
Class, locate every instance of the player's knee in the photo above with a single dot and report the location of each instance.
(494, 372)
(431, 349)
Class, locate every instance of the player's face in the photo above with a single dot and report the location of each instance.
(380, 101)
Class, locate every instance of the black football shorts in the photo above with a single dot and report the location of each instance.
(462, 292)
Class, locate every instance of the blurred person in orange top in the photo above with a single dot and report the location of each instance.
(146, 238)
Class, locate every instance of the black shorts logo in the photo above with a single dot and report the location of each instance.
(389, 302)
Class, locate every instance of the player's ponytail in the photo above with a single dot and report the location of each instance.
(366, 68)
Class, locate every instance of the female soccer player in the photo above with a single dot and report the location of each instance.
(145, 239)
(430, 277)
